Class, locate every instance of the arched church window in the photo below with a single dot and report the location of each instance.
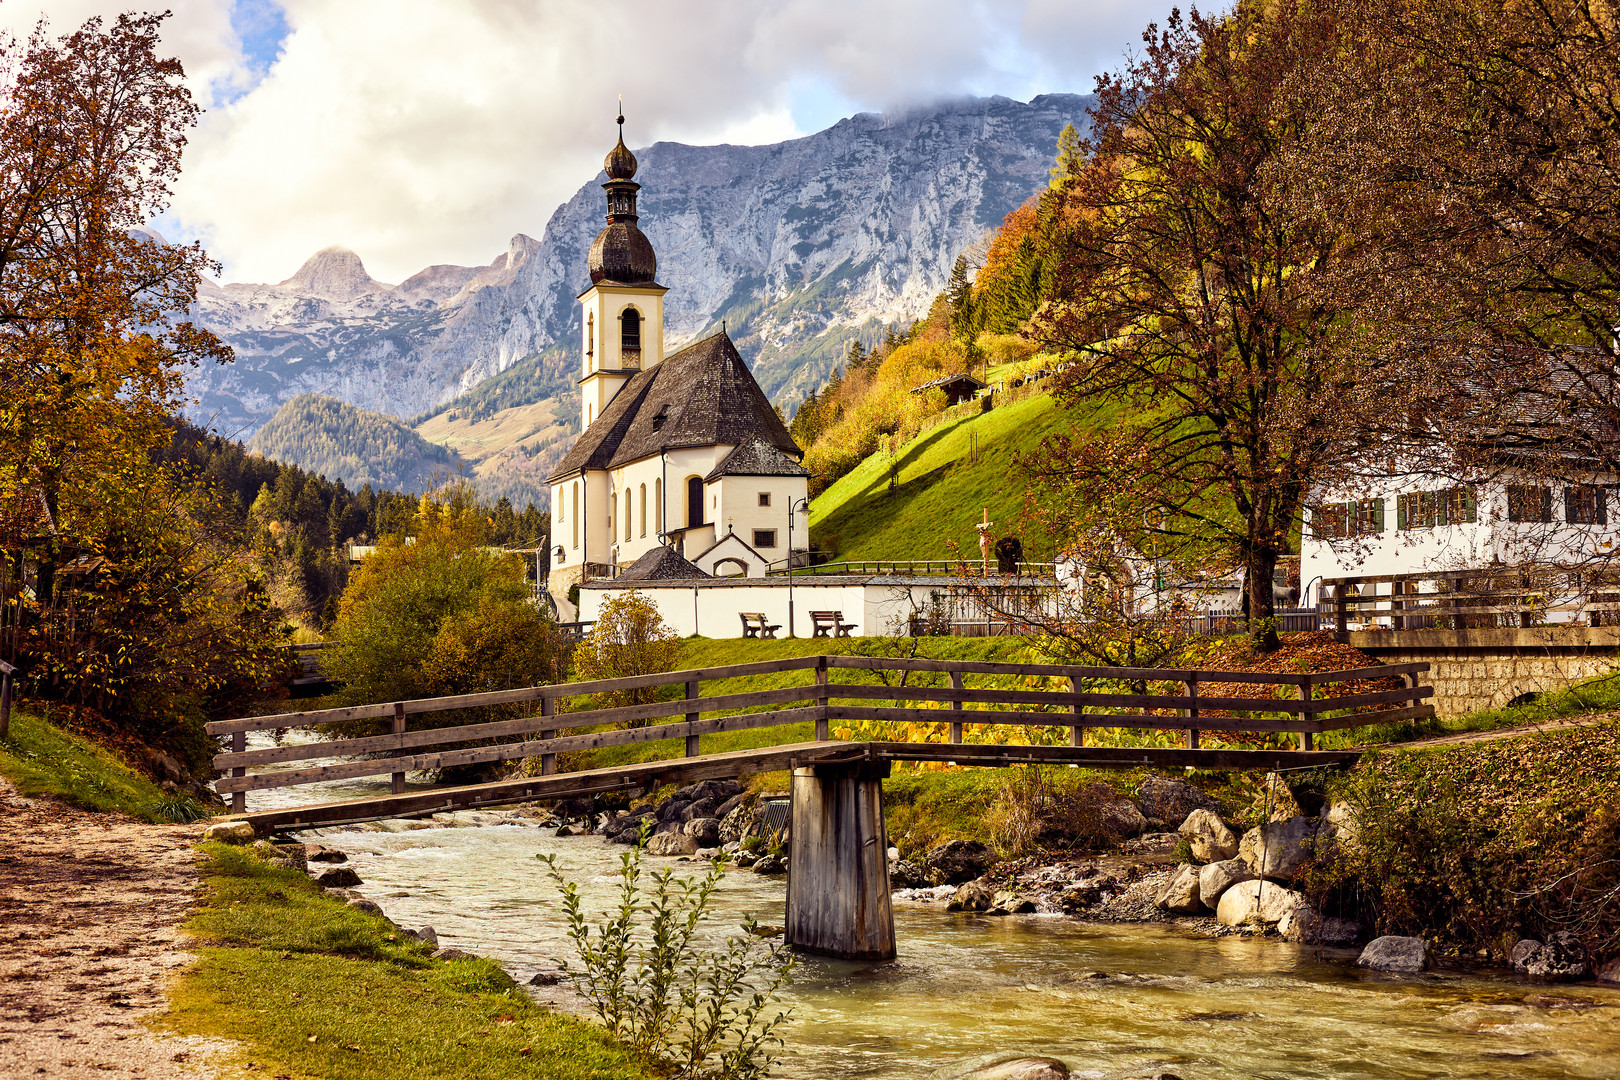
(694, 501)
(630, 336)
(590, 341)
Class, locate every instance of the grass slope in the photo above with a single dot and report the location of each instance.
(940, 493)
(310, 987)
(42, 759)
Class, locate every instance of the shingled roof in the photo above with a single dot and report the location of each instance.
(756, 457)
(659, 564)
(703, 395)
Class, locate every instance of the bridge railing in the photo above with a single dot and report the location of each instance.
(1310, 709)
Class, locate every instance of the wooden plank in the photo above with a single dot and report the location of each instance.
(548, 762)
(1031, 719)
(977, 667)
(1115, 757)
(349, 770)
(1382, 671)
(505, 792)
(1386, 716)
(1379, 697)
(372, 744)
(823, 732)
(399, 729)
(956, 702)
(693, 715)
(1060, 699)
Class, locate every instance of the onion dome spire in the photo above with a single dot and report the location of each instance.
(621, 252)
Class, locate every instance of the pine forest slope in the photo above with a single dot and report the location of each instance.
(336, 440)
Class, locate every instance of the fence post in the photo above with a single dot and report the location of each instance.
(956, 704)
(548, 762)
(692, 718)
(399, 729)
(1191, 712)
(1306, 741)
(5, 697)
(823, 727)
(1397, 621)
(239, 798)
(1077, 731)
(1341, 614)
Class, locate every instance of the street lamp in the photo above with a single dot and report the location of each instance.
(793, 504)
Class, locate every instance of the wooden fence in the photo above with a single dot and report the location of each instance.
(1305, 713)
(1473, 599)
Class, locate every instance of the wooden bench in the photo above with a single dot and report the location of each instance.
(755, 626)
(831, 624)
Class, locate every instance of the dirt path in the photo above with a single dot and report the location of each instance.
(1505, 732)
(89, 912)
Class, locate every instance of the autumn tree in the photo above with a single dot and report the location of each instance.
(630, 638)
(1185, 290)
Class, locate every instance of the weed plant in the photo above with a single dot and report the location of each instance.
(708, 1014)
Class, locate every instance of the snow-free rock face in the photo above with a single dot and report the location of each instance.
(798, 245)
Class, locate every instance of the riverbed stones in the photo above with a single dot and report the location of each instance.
(229, 832)
(1181, 895)
(317, 853)
(546, 978)
(972, 896)
(957, 861)
(1208, 837)
(906, 874)
(1256, 903)
(704, 830)
(1393, 953)
(770, 865)
(1278, 849)
(672, 843)
(370, 907)
(1019, 1068)
(337, 877)
(1122, 819)
(1561, 957)
(1170, 801)
(702, 808)
(1307, 926)
(1608, 972)
(1216, 877)
(427, 935)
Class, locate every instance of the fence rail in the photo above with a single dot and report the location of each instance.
(954, 568)
(1304, 713)
(1472, 599)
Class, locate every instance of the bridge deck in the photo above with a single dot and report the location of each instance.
(645, 775)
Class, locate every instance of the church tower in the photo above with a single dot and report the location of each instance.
(622, 312)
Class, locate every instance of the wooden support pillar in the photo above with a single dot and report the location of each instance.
(548, 762)
(399, 729)
(838, 865)
(1397, 620)
(1077, 730)
(1191, 713)
(238, 798)
(956, 703)
(1341, 614)
(1305, 737)
(823, 727)
(692, 693)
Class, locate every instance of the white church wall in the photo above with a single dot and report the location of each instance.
(712, 611)
(741, 512)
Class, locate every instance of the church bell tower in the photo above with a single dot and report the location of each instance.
(622, 313)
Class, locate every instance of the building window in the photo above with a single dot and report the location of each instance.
(643, 509)
(694, 501)
(590, 342)
(764, 538)
(1529, 502)
(1340, 521)
(764, 498)
(630, 336)
(1585, 504)
(1431, 509)
(658, 505)
(627, 518)
(573, 514)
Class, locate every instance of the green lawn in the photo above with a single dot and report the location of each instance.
(940, 493)
(42, 759)
(307, 986)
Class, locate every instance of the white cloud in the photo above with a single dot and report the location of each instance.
(422, 131)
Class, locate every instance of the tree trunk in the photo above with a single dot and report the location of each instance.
(1260, 605)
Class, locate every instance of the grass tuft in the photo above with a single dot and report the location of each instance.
(41, 759)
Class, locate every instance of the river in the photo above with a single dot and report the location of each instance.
(1231, 1008)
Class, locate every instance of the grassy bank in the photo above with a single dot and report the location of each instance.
(41, 759)
(310, 987)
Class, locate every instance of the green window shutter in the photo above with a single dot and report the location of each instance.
(1442, 506)
(1401, 519)
(1546, 504)
(1470, 504)
(1571, 502)
(1378, 515)
(1600, 493)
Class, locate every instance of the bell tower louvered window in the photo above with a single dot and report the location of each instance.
(630, 337)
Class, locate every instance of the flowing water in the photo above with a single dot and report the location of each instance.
(1110, 1000)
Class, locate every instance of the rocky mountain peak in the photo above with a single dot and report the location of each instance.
(334, 273)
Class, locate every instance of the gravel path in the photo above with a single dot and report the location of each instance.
(1503, 732)
(89, 911)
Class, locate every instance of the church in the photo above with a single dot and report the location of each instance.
(681, 452)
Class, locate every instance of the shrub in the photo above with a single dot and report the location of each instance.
(629, 638)
(708, 1015)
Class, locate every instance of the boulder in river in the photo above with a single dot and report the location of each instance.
(1122, 819)
(229, 832)
(770, 865)
(1276, 801)
(1008, 902)
(317, 853)
(1307, 926)
(370, 907)
(1170, 801)
(972, 896)
(1403, 955)
(672, 843)
(1181, 895)
(1208, 837)
(905, 874)
(1562, 957)
(957, 861)
(1609, 972)
(337, 877)
(702, 808)
(704, 830)
(1216, 877)
(1278, 849)
(1001, 1067)
(1256, 903)
(546, 978)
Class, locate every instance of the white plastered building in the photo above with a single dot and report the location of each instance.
(681, 450)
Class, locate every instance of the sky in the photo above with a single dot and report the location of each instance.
(417, 132)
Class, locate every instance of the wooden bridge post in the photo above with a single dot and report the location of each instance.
(823, 727)
(692, 718)
(1191, 712)
(399, 729)
(239, 798)
(1341, 614)
(548, 762)
(1077, 731)
(838, 865)
(1306, 741)
(957, 704)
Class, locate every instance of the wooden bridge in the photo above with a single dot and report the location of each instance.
(838, 876)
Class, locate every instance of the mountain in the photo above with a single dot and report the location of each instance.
(798, 247)
(341, 442)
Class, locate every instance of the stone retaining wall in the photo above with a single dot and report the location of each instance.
(1486, 669)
